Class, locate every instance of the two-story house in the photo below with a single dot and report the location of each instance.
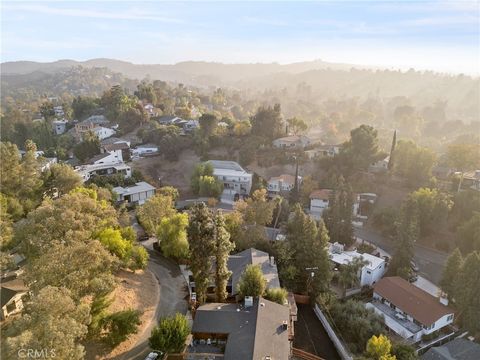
(234, 178)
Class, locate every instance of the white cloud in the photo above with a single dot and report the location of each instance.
(131, 14)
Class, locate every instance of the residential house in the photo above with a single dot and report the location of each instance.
(369, 274)
(319, 200)
(12, 294)
(169, 119)
(97, 125)
(145, 150)
(258, 329)
(121, 150)
(471, 180)
(87, 171)
(190, 125)
(59, 126)
(59, 113)
(292, 142)
(323, 151)
(234, 178)
(282, 184)
(457, 349)
(149, 109)
(114, 140)
(380, 165)
(237, 263)
(363, 205)
(45, 163)
(408, 310)
(136, 194)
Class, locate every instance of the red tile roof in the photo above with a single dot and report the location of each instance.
(417, 303)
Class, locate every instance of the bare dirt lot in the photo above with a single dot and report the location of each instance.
(164, 172)
(139, 291)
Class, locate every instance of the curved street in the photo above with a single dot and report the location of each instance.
(173, 292)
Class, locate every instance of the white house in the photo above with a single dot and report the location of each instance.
(191, 125)
(59, 126)
(323, 151)
(234, 178)
(408, 310)
(370, 273)
(136, 194)
(103, 132)
(282, 184)
(87, 171)
(380, 165)
(121, 150)
(319, 200)
(59, 111)
(144, 150)
(292, 142)
(112, 157)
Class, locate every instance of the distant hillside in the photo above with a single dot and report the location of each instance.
(192, 72)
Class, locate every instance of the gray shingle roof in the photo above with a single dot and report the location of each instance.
(253, 333)
(458, 349)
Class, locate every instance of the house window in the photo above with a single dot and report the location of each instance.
(369, 272)
(450, 317)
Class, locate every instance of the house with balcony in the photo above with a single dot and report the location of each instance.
(88, 171)
(235, 179)
(292, 142)
(409, 311)
(282, 184)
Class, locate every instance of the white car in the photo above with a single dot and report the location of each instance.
(152, 356)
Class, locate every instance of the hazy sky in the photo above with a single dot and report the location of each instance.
(436, 35)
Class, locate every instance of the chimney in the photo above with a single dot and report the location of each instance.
(443, 300)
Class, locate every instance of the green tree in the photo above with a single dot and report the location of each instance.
(120, 325)
(169, 191)
(172, 236)
(308, 246)
(296, 126)
(88, 148)
(170, 334)
(451, 273)
(82, 268)
(413, 163)
(6, 223)
(379, 348)
(338, 216)
(267, 122)
(114, 242)
(404, 352)
(203, 169)
(60, 179)
(252, 282)
(153, 211)
(467, 293)
(406, 236)
(463, 157)
(356, 323)
(223, 247)
(139, 258)
(201, 239)
(51, 321)
(278, 295)
(84, 106)
(468, 234)
(208, 124)
(349, 273)
(210, 186)
(362, 149)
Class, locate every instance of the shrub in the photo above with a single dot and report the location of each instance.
(120, 325)
(170, 334)
(277, 295)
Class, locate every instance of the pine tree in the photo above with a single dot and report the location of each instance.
(451, 273)
(467, 293)
(201, 239)
(392, 151)
(223, 246)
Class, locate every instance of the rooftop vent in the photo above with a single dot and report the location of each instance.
(285, 325)
(262, 304)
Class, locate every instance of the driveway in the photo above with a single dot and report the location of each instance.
(430, 262)
(173, 291)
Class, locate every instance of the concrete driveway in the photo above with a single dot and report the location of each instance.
(173, 291)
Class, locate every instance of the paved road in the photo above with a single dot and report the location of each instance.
(173, 291)
(430, 262)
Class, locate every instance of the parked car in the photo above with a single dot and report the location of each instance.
(152, 356)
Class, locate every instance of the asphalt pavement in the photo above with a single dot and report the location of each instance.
(173, 291)
(430, 262)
